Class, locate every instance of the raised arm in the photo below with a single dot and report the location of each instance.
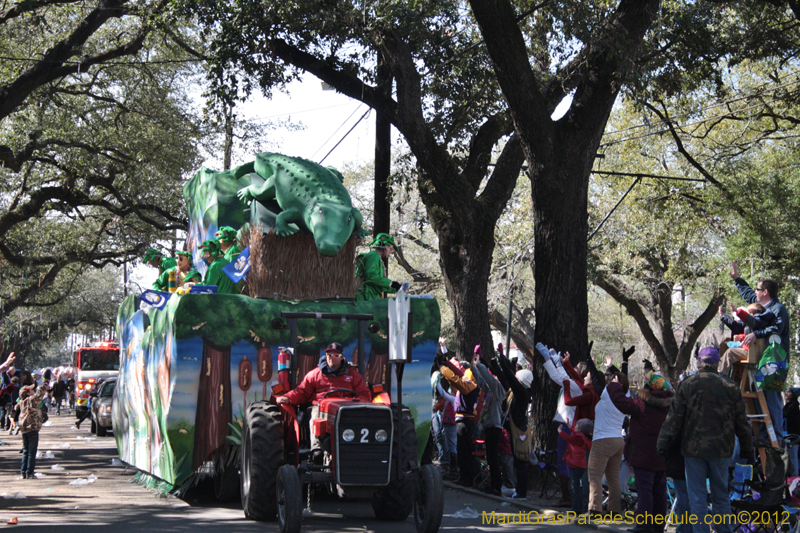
(446, 395)
(598, 378)
(583, 399)
(626, 405)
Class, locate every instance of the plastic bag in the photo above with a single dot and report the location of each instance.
(772, 369)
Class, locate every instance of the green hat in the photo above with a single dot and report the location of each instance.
(212, 246)
(150, 254)
(187, 254)
(192, 274)
(226, 234)
(382, 239)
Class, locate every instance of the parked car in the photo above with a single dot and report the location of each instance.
(101, 407)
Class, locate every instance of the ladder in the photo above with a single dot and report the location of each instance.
(751, 393)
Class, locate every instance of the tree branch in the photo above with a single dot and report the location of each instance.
(618, 291)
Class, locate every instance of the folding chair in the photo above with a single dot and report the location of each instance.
(482, 477)
(548, 473)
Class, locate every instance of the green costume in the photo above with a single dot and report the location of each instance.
(162, 282)
(214, 274)
(228, 234)
(232, 253)
(369, 269)
(193, 274)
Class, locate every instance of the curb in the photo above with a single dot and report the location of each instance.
(523, 504)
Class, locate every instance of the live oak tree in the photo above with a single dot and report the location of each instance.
(97, 132)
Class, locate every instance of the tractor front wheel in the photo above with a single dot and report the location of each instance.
(290, 499)
(429, 500)
(262, 455)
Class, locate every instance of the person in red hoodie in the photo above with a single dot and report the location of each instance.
(578, 445)
(333, 372)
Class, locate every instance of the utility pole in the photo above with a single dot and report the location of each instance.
(383, 156)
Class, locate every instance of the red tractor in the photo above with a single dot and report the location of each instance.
(369, 450)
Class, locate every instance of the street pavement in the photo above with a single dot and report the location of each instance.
(112, 502)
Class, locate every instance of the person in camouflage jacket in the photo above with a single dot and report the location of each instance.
(706, 413)
(31, 419)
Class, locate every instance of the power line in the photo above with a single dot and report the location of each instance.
(337, 131)
(346, 134)
(695, 123)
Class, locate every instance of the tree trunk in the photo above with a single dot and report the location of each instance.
(466, 260)
(559, 196)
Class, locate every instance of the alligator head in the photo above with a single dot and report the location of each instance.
(332, 224)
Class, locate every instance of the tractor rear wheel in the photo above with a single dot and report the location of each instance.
(262, 455)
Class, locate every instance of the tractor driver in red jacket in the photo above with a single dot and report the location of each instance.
(332, 375)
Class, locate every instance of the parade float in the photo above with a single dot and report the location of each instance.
(193, 364)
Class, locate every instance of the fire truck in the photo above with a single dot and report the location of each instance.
(92, 365)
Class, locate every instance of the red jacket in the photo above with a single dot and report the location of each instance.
(578, 445)
(584, 404)
(317, 383)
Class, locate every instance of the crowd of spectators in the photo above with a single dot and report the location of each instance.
(691, 431)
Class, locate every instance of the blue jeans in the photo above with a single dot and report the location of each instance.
(450, 438)
(775, 407)
(438, 433)
(579, 503)
(682, 507)
(794, 465)
(715, 469)
(561, 449)
(30, 445)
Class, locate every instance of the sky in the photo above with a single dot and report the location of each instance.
(327, 117)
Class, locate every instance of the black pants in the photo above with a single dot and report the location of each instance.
(465, 428)
(491, 436)
(83, 417)
(521, 468)
(58, 400)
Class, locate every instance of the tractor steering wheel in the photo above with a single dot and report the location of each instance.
(334, 391)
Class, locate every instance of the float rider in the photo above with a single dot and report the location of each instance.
(370, 270)
(212, 256)
(332, 373)
(227, 242)
(154, 258)
(193, 276)
(185, 266)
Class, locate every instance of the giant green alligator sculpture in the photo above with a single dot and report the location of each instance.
(310, 196)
